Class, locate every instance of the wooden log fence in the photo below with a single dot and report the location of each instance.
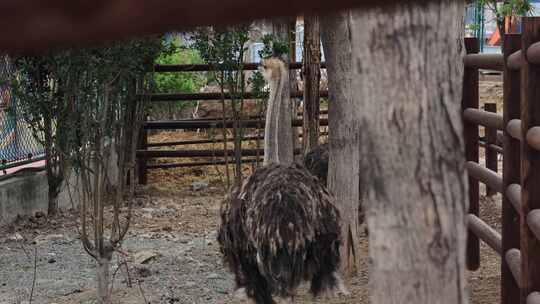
(255, 122)
(217, 141)
(491, 154)
(470, 100)
(214, 124)
(206, 68)
(300, 115)
(202, 163)
(196, 153)
(484, 61)
(212, 96)
(519, 242)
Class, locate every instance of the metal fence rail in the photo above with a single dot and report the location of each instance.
(16, 140)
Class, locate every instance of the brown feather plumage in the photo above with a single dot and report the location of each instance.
(278, 229)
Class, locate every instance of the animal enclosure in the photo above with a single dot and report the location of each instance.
(518, 245)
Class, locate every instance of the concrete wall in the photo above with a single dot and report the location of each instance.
(26, 192)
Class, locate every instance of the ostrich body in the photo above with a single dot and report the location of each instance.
(280, 226)
(316, 161)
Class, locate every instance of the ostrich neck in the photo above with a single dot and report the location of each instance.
(278, 139)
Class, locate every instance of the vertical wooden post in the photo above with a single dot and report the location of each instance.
(311, 69)
(530, 167)
(511, 169)
(471, 100)
(141, 160)
(492, 161)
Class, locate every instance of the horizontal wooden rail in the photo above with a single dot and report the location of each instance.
(486, 176)
(322, 112)
(248, 66)
(484, 118)
(491, 147)
(484, 232)
(534, 298)
(514, 61)
(533, 137)
(513, 259)
(199, 142)
(533, 53)
(183, 124)
(197, 153)
(209, 141)
(484, 61)
(533, 220)
(513, 192)
(198, 164)
(214, 96)
(514, 128)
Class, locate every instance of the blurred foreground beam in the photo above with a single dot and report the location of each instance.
(28, 25)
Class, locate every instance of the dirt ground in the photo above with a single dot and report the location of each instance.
(170, 254)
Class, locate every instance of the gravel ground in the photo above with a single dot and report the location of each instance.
(182, 267)
(186, 269)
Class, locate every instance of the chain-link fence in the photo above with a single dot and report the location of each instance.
(16, 140)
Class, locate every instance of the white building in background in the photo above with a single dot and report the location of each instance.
(536, 7)
(262, 28)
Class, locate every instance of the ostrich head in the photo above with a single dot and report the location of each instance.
(278, 135)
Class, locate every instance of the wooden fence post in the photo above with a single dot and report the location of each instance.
(471, 100)
(492, 161)
(530, 168)
(142, 160)
(511, 169)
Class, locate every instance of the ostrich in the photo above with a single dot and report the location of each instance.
(280, 227)
(316, 161)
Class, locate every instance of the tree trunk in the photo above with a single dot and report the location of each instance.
(407, 78)
(103, 280)
(312, 76)
(343, 134)
(52, 208)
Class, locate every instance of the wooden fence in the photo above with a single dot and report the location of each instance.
(145, 151)
(519, 243)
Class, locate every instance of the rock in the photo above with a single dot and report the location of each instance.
(164, 212)
(144, 257)
(148, 210)
(199, 186)
(153, 212)
(39, 214)
(184, 240)
(149, 235)
(17, 237)
(190, 284)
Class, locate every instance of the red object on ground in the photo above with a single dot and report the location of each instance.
(495, 39)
